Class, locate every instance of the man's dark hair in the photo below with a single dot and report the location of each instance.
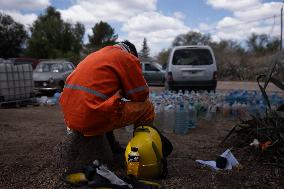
(131, 47)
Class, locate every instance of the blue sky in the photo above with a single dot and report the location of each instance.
(196, 11)
(160, 21)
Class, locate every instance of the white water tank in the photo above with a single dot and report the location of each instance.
(16, 81)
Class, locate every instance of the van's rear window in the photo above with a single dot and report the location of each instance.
(192, 57)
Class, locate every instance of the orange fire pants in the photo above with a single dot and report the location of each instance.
(137, 113)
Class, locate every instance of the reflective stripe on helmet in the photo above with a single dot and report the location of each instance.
(88, 90)
(138, 89)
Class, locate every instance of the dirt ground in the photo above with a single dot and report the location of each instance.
(29, 135)
(245, 85)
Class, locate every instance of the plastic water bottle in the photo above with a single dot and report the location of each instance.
(208, 116)
(197, 106)
(253, 109)
(261, 109)
(181, 121)
(192, 117)
(226, 110)
(133, 162)
(243, 112)
(211, 112)
(235, 110)
(158, 114)
(180, 93)
(169, 119)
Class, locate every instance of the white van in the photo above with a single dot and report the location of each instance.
(191, 67)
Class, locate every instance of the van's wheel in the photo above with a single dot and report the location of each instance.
(166, 86)
(211, 89)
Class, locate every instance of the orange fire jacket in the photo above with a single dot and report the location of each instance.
(88, 101)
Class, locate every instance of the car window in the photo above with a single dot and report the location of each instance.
(65, 67)
(159, 66)
(70, 67)
(49, 67)
(192, 57)
(149, 67)
(56, 68)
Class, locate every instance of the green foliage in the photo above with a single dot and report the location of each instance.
(103, 35)
(230, 59)
(12, 37)
(162, 57)
(51, 37)
(145, 51)
(191, 38)
(261, 44)
(233, 60)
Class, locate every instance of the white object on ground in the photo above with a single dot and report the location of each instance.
(255, 143)
(43, 100)
(231, 161)
(103, 171)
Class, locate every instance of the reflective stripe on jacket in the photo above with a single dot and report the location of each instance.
(88, 101)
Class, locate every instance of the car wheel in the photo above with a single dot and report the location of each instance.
(61, 86)
(163, 81)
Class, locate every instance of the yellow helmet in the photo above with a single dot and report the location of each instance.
(149, 144)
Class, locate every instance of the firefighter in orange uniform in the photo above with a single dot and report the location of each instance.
(92, 97)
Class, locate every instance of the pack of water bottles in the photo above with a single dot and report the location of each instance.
(180, 111)
(50, 101)
(242, 103)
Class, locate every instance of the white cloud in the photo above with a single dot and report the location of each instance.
(261, 11)
(247, 19)
(232, 28)
(228, 22)
(205, 27)
(233, 5)
(139, 19)
(26, 19)
(158, 29)
(179, 15)
(92, 11)
(24, 4)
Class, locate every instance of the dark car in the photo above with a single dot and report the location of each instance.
(153, 73)
(50, 75)
(32, 61)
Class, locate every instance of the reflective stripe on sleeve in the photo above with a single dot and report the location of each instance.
(138, 89)
(88, 90)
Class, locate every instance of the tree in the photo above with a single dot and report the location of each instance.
(103, 35)
(262, 43)
(12, 37)
(191, 38)
(256, 43)
(144, 53)
(230, 57)
(51, 37)
(273, 44)
(162, 57)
